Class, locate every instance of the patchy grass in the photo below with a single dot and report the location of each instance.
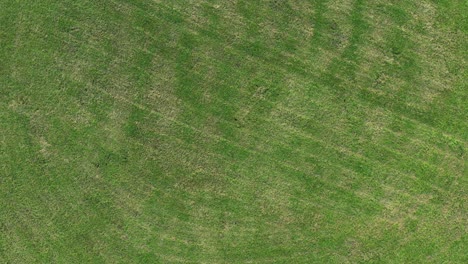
(243, 132)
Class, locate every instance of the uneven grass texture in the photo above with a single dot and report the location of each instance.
(209, 131)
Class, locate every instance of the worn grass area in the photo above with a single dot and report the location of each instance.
(270, 131)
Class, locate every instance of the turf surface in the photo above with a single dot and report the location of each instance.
(269, 131)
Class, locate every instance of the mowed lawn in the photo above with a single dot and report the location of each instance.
(209, 131)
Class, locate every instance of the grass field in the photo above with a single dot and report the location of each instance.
(209, 131)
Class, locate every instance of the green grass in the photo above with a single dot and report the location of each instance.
(233, 131)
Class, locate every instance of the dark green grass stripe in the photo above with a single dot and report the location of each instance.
(345, 65)
(319, 25)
